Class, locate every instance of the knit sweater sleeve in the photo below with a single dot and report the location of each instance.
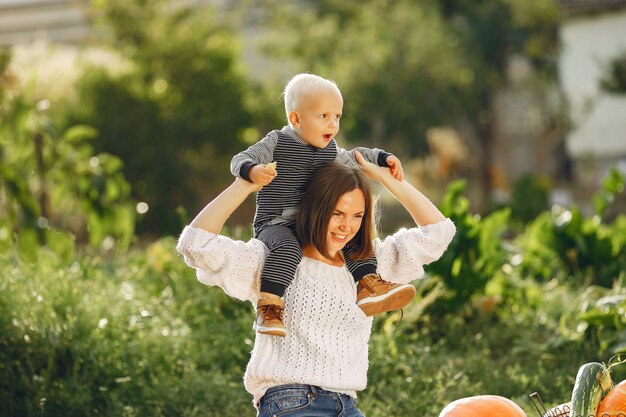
(232, 265)
(261, 152)
(373, 155)
(401, 257)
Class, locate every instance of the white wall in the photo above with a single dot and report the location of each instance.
(25, 21)
(589, 42)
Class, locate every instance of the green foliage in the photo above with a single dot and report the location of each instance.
(614, 78)
(176, 114)
(602, 311)
(564, 243)
(495, 30)
(138, 335)
(132, 336)
(476, 253)
(612, 186)
(530, 198)
(54, 181)
(487, 253)
(400, 75)
(418, 369)
(426, 63)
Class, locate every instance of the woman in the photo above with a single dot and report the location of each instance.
(322, 362)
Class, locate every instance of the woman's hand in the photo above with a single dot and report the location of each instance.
(373, 171)
(421, 209)
(247, 186)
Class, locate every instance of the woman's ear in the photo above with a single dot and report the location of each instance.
(294, 119)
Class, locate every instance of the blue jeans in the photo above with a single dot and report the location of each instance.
(306, 401)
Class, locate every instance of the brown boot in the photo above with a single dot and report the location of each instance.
(269, 317)
(375, 296)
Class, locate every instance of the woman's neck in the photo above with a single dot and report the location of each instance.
(312, 252)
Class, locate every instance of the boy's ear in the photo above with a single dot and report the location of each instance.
(294, 118)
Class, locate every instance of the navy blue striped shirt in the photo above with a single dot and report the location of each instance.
(296, 160)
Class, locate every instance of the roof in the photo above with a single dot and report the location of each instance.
(23, 21)
(586, 6)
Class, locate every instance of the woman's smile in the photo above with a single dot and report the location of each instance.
(339, 237)
(345, 221)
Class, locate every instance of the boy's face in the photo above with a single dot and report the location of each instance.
(317, 119)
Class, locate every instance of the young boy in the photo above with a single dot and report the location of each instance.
(283, 162)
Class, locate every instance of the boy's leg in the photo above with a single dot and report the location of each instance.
(360, 268)
(278, 272)
(375, 295)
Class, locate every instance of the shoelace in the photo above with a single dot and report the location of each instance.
(273, 312)
(377, 280)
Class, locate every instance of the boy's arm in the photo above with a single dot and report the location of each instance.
(375, 156)
(261, 152)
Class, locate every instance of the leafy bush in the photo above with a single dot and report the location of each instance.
(579, 250)
(138, 335)
(602, 313)
(477, 252)
(54, 181)
(614, 77)
(134, 335)
(530, 198)
(560, 243)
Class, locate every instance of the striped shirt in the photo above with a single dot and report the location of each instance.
(296, 160)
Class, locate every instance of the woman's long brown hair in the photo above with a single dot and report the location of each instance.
(325, 189)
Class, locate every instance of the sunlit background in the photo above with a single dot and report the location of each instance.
(118, 121)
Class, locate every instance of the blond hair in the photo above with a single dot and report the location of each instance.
(303, 85)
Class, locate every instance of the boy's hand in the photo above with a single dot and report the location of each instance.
(262, 174)
(396, 167)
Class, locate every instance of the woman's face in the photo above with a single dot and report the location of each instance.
(345, 221)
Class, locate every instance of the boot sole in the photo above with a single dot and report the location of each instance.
(273, 331)
(389, 302)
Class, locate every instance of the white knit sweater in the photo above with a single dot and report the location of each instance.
(327, 340)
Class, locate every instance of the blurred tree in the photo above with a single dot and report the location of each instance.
(53, 182)
(400, 75)
(614, 78)
(177, 114)
(405, 66)
(530, 197)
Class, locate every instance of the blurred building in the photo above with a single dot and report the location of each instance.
(528, 135)
(533, 135)
(26, 21)
(593, 33)
(65, 21)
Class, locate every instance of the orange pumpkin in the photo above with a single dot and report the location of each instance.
(614, 403)
(482, 406)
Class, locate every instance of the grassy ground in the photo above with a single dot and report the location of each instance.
(136, 335)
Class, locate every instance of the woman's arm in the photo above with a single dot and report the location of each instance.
(421, 209)
(232, 265)
(214, 215)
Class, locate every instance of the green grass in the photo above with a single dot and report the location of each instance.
(136, 335)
